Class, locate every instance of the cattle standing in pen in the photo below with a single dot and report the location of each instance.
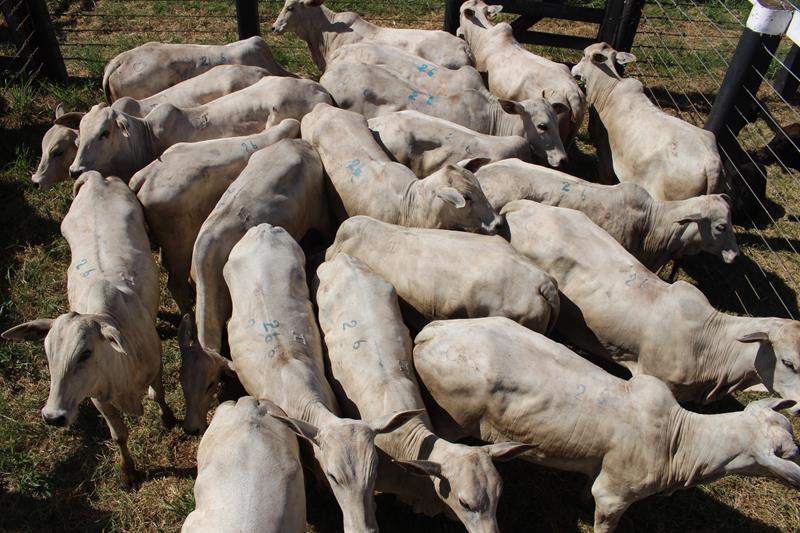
(325, 31)
(672, 159)
(106, 347)
(651, 230)
(277, 352)
(445, 274)
(629, 315)
(152, 67)
(249, 474)
(500, 382)
(365, 181)
(116, 143)
(179, 189)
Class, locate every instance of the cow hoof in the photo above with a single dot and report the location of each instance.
(130, 480)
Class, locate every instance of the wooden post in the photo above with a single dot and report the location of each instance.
(48, 53)
(452, 15)
(627, 25)
(247, 18)
(785, 82)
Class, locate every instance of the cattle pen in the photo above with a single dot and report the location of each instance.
(687, 51)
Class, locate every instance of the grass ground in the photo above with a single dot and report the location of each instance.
(66, 480)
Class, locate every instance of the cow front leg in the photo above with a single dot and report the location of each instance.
(609, 504)
(156, 393)
(129, 477)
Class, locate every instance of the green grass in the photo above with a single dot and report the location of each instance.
(66, 480)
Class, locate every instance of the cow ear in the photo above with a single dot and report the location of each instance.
(694, 217)
(474, 163)
(452, 196)
(59, 109)
(623, 58)
(776, 404)
(114, 337)
(599, 57)
(727, 199)
(758, 336)
(505, 451)
(492, 11)
(388, 423)
(299, 428)
(226, 365)
(510, 107)
(469, 12)
(35, 330)
(122, 122)
(559, 108)
(420, 467)
(70, 120)
(185, 332)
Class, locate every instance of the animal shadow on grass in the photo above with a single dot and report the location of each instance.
(743, 286)
(70, 483)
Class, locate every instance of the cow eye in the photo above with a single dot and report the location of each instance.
(57, 153)
(788, 364)
(333, 479)
(542, 126)
(464, 504)
(84, 356)
(290, 8)
(104, 134)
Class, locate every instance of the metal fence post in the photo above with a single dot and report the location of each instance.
(247, 18)
(48, 53)
(451, 15)
(627, 25)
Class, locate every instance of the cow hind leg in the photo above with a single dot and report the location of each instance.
(156, 393)
(129, 476)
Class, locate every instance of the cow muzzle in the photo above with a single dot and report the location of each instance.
(58, 418)
(494, 227)
(729, 256)
(75, 172)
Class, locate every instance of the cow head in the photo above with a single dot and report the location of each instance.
(467, 481)
(201, 370)
(345, 450)
(59, 146)
(81, 350)
(478, 12)
(104, 143)
(457, 200)
(292, 14)
(771, 441)
(541, 127)
(601, 56)
(707, 227)
(777, 361)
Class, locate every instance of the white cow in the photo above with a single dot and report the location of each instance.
(517, 74)
(670, 158)
(375, 90)
(325, 31)
(277, 351)
(367, 182)
(425, 144)
(116, 143)
(615, 308)
(369, 352)
(452, 274)
(59, 146)
(213, 84)
(152, 67)
(179, 189)
(500, 382)
(106, 347)
(653, 231)
(249, 474)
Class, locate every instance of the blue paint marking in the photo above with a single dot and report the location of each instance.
(413, 96)
(429, 101)
(81, 263)
(355, 167)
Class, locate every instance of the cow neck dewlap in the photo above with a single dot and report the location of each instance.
(599, 88)
(319, 31)
(691, 459)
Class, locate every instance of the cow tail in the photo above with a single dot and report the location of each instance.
(112, 66)
(550, 294)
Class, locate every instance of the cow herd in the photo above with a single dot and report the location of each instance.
(389, 262)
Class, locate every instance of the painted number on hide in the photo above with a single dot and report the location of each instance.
(357, 344)
(429, 101)
(249, 147)
(355, 167)
(203, 61)
(86, 273)
(566, 187)
(632, 277)
(351, 324)
(581, 390)
(270, 326)
(425, 69)
(413, 96)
